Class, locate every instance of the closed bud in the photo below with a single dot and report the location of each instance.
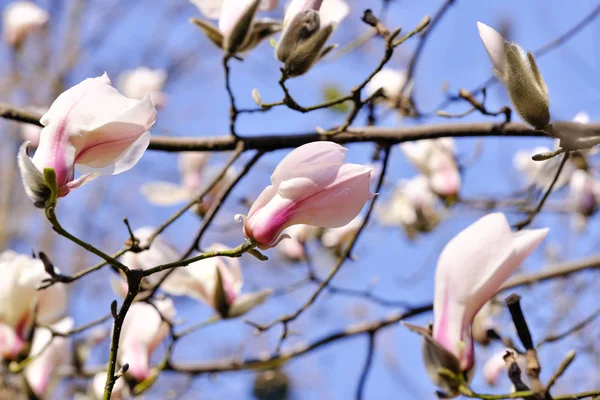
(302, 27)
(256, 97)
(520, 75)
(308, 53)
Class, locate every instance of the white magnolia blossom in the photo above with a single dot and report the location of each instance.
(20, 18)
(391, 81)
(412, 205)
(435, 158)
(194, 178)
(584, 196)
(19, 297)
(540, 174)
(141, 81)
(49, 354)
(97, 388)
(333, 12)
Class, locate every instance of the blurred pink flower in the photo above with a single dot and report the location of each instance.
(312, 185)
(143, 330)
(92, 128)
(22, 275)
(49, 355)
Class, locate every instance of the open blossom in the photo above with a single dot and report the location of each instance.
(217, 282)
(306, 28)
(519, 73)
(141, 81)
(413, 205)
(541, 173)
(436, 159)
(338, 238)
(49, 355)
(312, 185)
(470, 270)
(238, 29)
(143, 330)
(20, 18)
(92, 128)
(194, 177)
(19, 297)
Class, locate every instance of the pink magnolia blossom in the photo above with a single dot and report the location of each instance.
(20, 18)
(49, 355)
(141, 81)
(312, 185)
(143, 330)
(436, 159)
(21, 277)
(92, 128)
(495, 367)
(584, 196)
(470, 270)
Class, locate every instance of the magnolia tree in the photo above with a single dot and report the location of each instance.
(219, 269)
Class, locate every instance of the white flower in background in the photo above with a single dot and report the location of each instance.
(194, 179)
(435, 158)
(391, 81)
(97, 388)
(337, 238)
(484, 322)
(49, 354)
(333, 12)
(582, 117)
(519, 73)
(19, 297)
(413, 205)
(211, 9)
(143, 330)
(540, 174)
(584, 194)
(292, 248)
(217, 282)
(20, 18)
(142, 81)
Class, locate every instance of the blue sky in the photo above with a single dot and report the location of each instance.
(147, 33)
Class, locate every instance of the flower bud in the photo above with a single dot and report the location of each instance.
(520, 75)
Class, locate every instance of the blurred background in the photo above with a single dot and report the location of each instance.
(86, 38)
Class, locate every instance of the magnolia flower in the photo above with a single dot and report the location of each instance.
(217, 282)
(470, 270)
(19, 297)
(293, 248)
(141, 81)
(312, 185)
(413, 206)
(21, 18)
(194, 179)
(144, 328)
(483, 323)
(436, 159)
(98, 384)
(391, 81)
(91, 127)
(237, 31)
(519, 73)
(306, 28)
(540, 174)
(338, 238)
(49, 354)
